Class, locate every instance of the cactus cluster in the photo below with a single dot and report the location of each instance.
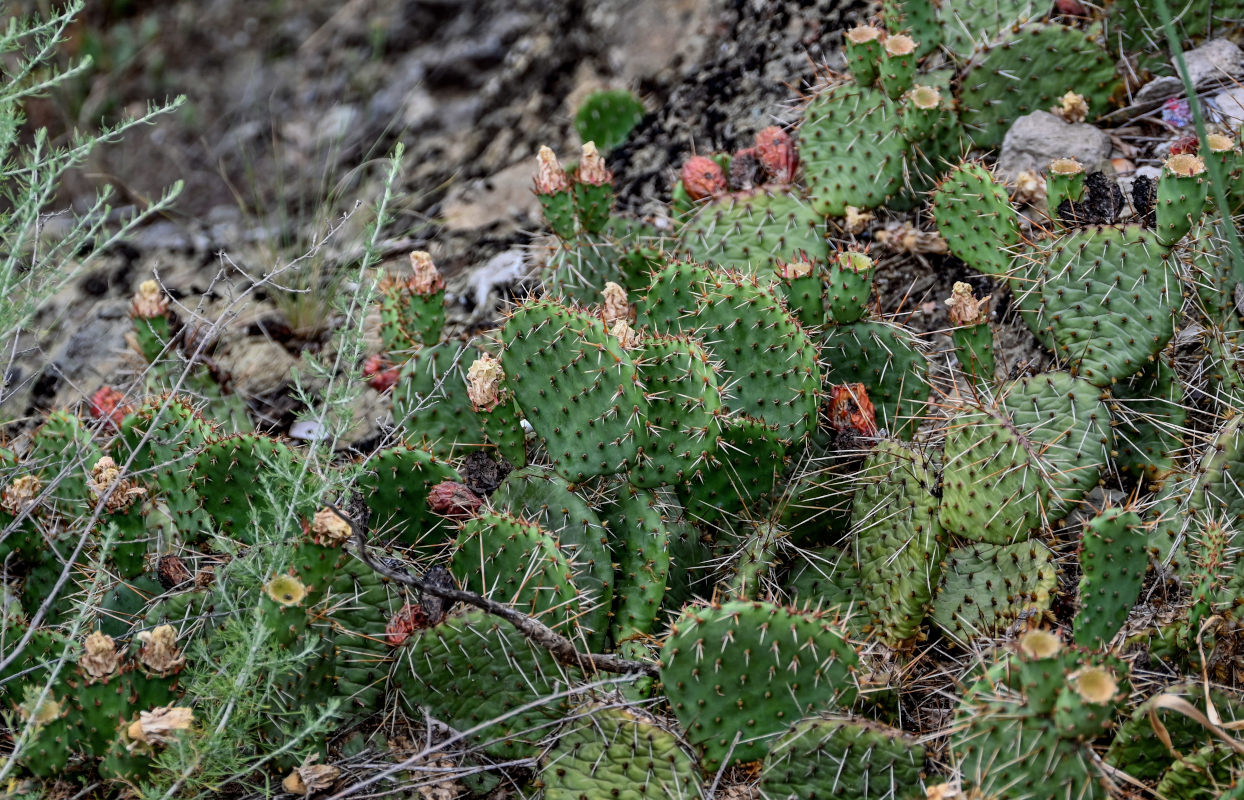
(827, 555)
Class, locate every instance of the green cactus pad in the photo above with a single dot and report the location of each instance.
(61, 452)
(852, 147)
(539, 495)
(358, 607)
(581, 266)
(679, 432)
(835, 757)
(828, 578)
(1106, 299)
(1150, 413)
(889, 360)
(430, 402)
(1010, 750)
(607, 117)
(1138, 752)
(740, 673)
(395, 486)
(848, 286)
(754, 231)
(987, 588)
(618, 753)
(769, 362)
(1028, 69)
(237, 480)
(518, 563)
(673, 295)
(640, 534)
(1113, 561)
(1014, 467)
(576, 385)
(975, 217)
(750, 457)
(966, 24)
(177, 431)
(896, 539)
(473, 668)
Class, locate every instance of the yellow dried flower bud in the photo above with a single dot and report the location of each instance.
(20, 494)
(103, 475)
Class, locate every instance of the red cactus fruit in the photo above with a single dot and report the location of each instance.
(851, 410)
(777, 152)
(106, 404)
(412, 617)
(453, 500)
(703, 177)
(380, 373)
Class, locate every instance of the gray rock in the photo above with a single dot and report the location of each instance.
(1038, 138)
(1216, 60)
(1228, 106)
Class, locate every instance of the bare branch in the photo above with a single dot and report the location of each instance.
(558, 646)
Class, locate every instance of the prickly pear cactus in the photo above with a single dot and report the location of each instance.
(855, 759)
(896, 539)
(617, 752)
(987, 588)
(576, 384)
(1016, 466)
(737, 674)
(1113, 561)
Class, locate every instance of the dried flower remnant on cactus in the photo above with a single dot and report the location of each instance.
(550, 177)
(410, 618)
(850, 410)
(1185, 165)
(100, 658)
(614, 305)
(485, 383)
(592, 169)
(103, 475)
(963, 308)
(777, 153)
(702, 177)
(900, 45)
(1095, 685)
(158, 726)
(20, 494)
(625, 334)
(285, 590)
(790, 270)
(1072, 107)
(329, 528)
(855, 221)
(1029, 188)
(310, 777)
(453, 500)
(426, 278)
(149, 301)
(159, 652)
(172, 571)
(1040, 644)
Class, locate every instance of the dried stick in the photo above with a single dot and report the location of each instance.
(558, 646)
